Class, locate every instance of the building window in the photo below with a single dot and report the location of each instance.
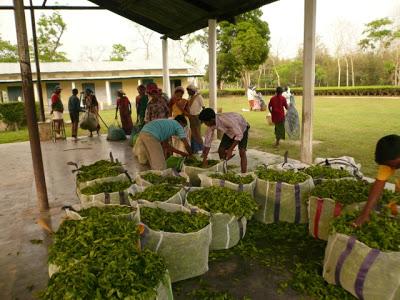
(146, 81)
(14, 93)
(174, 83)
(89, 85)
(50, 86)
(114, 87)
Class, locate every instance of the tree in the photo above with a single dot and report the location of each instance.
(145, 35)
(241, 47)
(119, 52)
(50, 30)
(8, 51)
(379, 36)
(92, 53)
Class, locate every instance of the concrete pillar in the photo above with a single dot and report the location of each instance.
(212, 62)
(166, 82)
(73, 86)
(108, 93)
(36, 92)
(308, 81)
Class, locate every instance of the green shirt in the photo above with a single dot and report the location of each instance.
(163, 129)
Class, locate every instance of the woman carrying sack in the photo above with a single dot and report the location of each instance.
(92, 106)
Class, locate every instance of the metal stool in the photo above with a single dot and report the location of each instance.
(60, 124)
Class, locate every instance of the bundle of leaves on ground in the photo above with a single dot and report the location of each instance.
(100, 169)
(118, 272)
(343, 191)
(326, 172)
(381, 232)
(223, 200)
(106, 187)
(232, 177)
(158, 179)
(161, 220)
(109, 210)
(290, 176)
(159, 192)
(90, 236)
(194, 162)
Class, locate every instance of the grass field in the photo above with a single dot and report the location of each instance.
(342, 126)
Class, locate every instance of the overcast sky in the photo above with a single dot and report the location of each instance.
(96, 31)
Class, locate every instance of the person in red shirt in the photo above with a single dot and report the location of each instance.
(276, 107)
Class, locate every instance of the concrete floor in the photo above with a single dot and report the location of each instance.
(23, 265)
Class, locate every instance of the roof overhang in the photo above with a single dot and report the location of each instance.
(175, 18)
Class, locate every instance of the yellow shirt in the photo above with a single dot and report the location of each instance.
(385, 172)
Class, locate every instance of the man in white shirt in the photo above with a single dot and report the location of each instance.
(236, 132)
(196, 104)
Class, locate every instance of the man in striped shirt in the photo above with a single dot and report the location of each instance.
(235, 129)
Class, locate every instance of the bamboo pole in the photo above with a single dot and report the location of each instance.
(38, 76)
(27, 86)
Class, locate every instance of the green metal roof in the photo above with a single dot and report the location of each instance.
(174, 18)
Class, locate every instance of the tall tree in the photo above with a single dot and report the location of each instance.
(145, 36)
(382, 37)
(241, 47)
(119, 53)
(50, 30)
(8, 51)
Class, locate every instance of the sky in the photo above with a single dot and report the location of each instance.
(92, 33)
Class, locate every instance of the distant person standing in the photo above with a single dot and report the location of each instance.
(277, 106)
(92, 105)
(125, 111)
(57, 108)
(74, 108)
(196, 105)
(141, 105)
(251, 96)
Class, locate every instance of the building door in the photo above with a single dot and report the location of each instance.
(174, 83)
(14, 93)
(89, 85)
(114, 87)
(147, 81)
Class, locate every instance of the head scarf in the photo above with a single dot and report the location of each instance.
(192, 87)
(179, 89)
(151, 88)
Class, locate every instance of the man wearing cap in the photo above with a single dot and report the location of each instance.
(154, 138)
(236, 133)
(57, 107)
(196, 104)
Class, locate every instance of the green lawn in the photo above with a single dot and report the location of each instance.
(344, 126)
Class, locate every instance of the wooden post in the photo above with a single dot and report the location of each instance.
(166, 84)
(308, 81)
(212, 62)
(38, 76)
(27, 86)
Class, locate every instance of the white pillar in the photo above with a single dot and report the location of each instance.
(73, 86)
(212, 62)
(36, 92)
(166, 84)
(108, 92)
(308, 80)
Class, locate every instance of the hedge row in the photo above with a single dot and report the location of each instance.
(13, 114)
(322, 91)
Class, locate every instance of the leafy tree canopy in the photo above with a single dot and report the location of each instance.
(50, 30)
(118, 53)
(8, 51)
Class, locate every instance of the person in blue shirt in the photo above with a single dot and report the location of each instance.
(154, 138)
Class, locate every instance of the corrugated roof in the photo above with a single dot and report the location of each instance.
(175, 18)
(53, 67)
